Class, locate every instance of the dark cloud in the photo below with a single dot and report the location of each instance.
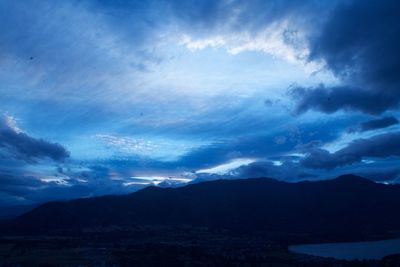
(378, 123)
(359, 43)
(257, 169)
(18, 185)
(30, 189)
(332, 99)
(287, 168)
(275, 143)
(18, 145)
(380, 146)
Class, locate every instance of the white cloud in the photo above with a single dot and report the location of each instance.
(156, 180)
(347, 137)
(199, 44)
(59, 180)
(149, 147)
(277, 40)
(127, 144)
(9, 122)
(227, 167)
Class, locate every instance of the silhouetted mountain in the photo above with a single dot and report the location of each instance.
(346, 205)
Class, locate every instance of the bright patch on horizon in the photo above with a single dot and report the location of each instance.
(118, 95)
(277, 163)
(347, 138)
(227, 167)
(156, 180)
(55, 179)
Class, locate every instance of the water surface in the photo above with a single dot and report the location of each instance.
(351, 250)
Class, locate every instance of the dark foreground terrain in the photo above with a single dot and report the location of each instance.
(162, 247)
(221, 223)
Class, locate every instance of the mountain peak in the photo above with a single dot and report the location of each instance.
(352, 178)
(246, 205)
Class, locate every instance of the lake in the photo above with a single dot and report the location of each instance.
(351, 250)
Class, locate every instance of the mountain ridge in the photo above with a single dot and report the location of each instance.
(338, 206)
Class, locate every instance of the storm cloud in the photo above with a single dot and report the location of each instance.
(379, 146)
(332, 99)
(378, 123)
(359, 45)
(18, 145)
(159, 91)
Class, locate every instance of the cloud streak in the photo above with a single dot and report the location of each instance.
(378, 123)
(18, 145)
(379, 146)
(170, 90)
(330, 99)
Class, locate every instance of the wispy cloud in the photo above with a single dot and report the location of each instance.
(110, 96)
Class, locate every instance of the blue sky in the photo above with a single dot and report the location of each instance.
(101, 97)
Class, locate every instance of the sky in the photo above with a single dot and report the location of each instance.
(107, 97)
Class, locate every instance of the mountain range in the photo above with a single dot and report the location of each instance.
(346, 206)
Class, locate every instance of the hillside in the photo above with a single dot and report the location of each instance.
(348, 205)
